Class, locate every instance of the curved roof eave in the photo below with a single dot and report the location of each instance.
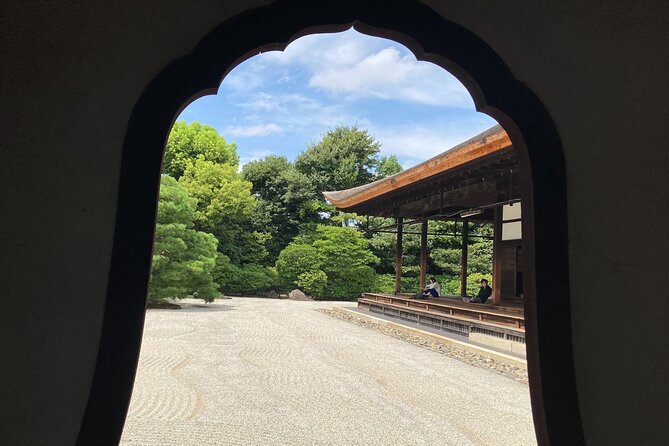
(492, 140)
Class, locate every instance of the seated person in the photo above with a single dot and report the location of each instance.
(433, 289)
(484, 293)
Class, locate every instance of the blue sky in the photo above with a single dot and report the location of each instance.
(279, 102)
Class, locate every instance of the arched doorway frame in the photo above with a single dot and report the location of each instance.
(431, 38)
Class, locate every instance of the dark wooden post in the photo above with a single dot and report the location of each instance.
(463, 261)
(497, 258)
(398, 256)
(423, 254)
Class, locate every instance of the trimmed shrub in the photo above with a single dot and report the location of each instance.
(294, 260)
(349, 283)
(247, 279)
(313, 283)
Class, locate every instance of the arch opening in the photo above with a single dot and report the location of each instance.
(430, 37)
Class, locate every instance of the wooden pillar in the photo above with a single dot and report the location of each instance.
(497, 258)
(398, 256)
(463, 261)
(423, 254)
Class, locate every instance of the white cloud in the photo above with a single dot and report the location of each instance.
(389, 75)
(327, 50)
(252, 155)
(254, 130)
(279, 103)
(292, 110)
(246, 79)
(358, 67)
(417, 143)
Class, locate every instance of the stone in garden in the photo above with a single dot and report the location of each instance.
(298, 295)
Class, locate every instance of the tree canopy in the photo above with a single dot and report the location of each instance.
(345, 157)
(188, 143)
(183, 258)
(388, 165)
(222, 195)
(269, 227)
(338, 259)
(287, 199)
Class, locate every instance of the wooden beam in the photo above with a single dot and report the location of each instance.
(441, 234)
(423, 254)
(497, 258)
(478, 194)
(463, 261)
(436, 195)
(398, 256)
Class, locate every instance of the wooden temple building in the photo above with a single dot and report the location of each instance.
(477, 180)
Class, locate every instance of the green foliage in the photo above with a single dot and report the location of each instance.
(345, 157)
(227, 208)
(274, 213)
(222, 195)
(295, 259)
(286, 200)
(388, 165)
(342, 247)
(410, 284)
(313, 282)
(384, 283)
(340, 252)
(447, 259)
(248, 279)
(253, 279)
(349, 283)
(188, 143)
(480, 250)
(450, 285)
(474, 282)
(224, 271)
(183, 258)
(266, 176)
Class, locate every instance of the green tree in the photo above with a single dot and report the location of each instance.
(287, 200)
(313, 282)
(188, 143)
(295, 259)
(388, 165)
(345, 157)
(342, 253)
(183, 258)
(222, 195)
(480, 249)
(247, 279)
(474, 282)
(226, 207)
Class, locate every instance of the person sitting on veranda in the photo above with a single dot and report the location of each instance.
(484, 293)
(433, 289)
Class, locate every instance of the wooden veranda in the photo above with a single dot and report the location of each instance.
(477, 180)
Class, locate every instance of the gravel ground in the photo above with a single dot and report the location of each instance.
(277, 372)
(512, 372)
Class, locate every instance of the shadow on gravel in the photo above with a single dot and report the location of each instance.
(192, 308)
(195, 308)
